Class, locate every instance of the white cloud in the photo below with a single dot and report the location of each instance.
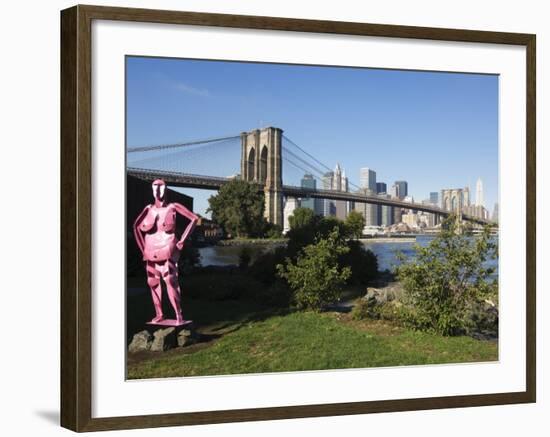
(188, 89)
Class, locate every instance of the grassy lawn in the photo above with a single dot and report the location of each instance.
(268, 341)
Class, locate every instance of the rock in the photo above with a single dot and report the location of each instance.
(380, 296)
(164, 339)
(141, 341)
(391, 292)
(158, 339)
(187, 336)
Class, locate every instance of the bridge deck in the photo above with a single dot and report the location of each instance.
(186, 180)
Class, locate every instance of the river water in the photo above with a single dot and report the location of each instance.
(384, 250)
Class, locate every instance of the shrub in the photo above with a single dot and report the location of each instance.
(370, 308)
(361, 310)
(315, 277)
(273, 231)
(326, 225)
(276, 294)
(264, 268)
(362, 262)
(443, 280)
(245, 255)
(393, 311)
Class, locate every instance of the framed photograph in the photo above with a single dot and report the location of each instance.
(268, 218)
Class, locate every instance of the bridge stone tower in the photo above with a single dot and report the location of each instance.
(261, 163)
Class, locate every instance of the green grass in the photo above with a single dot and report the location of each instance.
(306, 341)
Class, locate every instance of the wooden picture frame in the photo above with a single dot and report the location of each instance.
(76, 224)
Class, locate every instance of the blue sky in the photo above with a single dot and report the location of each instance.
(434, 130)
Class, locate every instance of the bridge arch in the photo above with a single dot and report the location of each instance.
(454, 203)
(251, 163)
(263, 165)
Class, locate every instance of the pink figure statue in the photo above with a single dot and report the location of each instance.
(154, 230)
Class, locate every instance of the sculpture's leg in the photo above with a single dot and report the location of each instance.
(153, 280)
(170, 276)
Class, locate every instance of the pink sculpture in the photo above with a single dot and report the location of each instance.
(154, 230)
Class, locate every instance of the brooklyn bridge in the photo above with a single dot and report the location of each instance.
(264, 157)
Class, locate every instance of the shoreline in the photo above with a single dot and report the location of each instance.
(252, 242)
(388, 240)
(282, 241)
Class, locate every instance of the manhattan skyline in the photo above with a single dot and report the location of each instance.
(433, 130)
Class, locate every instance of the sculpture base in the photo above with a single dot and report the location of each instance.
(164, 335)
(170, 322)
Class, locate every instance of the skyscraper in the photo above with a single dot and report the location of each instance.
(385, 213)
(328, 205)
(340, 183)
(367, 178)
(402, 189)
(337, 181)
(479, 192)
(434, 198)
(381, 187)
(308, 181)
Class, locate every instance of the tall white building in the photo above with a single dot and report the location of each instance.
(336, 180)
(479, 192)
(340, 183)
(290, 205)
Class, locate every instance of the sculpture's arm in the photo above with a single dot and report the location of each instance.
(193, 219)
(137, 233)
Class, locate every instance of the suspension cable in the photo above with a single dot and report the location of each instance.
(173, 146)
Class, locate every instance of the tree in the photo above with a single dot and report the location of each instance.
(445, 279)
(239, 208)
(315, 278)
(301, 217)
(355, 222)
(303, 230)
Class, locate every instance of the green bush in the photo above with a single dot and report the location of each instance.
(371, 309)
(362, 262)
(446, 278)
(315, 277)
(273, 231)
(361, 310)
(264, 268)
(393, 311)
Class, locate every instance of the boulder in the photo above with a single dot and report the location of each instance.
(187, 336)
(384, 295)
(141, 341)
(164, 339)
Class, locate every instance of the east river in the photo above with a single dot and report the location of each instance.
(384, 249)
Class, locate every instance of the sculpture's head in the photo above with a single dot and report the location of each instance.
(159, 188)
